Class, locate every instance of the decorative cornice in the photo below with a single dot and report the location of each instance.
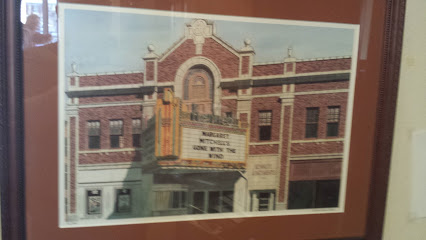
(303, 60)
(103, 73)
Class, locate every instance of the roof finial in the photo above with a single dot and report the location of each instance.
(247, 42)
(289, 52)
(151, 48)
(151, 52)
(74, 67)
(247, 46)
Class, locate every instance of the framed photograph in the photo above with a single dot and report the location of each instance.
(205, 122)
(174, 120)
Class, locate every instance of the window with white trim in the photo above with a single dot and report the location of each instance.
(311, 127)
(165, 200)
(212, 202)
(136, 132)
(116, 133)
(94, 202)
(265, 125)
(94, 134)
(123, 201)
(333, 118)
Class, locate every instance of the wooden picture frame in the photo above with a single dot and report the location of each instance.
(380, 56)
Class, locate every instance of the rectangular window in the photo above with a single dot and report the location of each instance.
(264, 201)
(212, 202)
(94, 202)
(166, 200)
(227, 201)
(313, 194)
(94, 133)
(301, 194)
(265, 125)
(312, 116)
(116, 133)
(136, 132)
(178, 199)
(228, 114)
(123, 200)
(197, 206)
(333, 118)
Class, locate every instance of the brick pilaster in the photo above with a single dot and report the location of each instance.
(287, 100)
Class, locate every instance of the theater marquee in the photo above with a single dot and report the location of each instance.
(186, 138)
(208, 145)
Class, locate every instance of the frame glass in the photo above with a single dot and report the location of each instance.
(205, 126)
(349, 218)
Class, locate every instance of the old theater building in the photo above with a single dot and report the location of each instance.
(205, 129)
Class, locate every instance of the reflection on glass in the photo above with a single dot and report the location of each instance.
(314, 194)
(39, 19)
(227, 201)
(214, 203)
(198, 203)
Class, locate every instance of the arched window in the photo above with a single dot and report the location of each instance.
(198, 90)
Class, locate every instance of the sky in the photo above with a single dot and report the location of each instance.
(100, 42)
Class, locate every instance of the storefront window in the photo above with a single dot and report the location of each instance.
(313, 194)
(212, 202)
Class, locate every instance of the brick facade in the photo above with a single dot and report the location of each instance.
(229, 105)
(226, 61)
(321, 101)
(109, 99)
(287, 100)
(111, 157)
(266, 90)
(245, 65)
(285, 145)
(104, 115)
(316, 148)
(268, 69)
(72, 165)
(150, 71)
(229, 92)
(307, 87)
(265, 104)
(323, 169)
(323, 65)
(108, 80)
(264, 149)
